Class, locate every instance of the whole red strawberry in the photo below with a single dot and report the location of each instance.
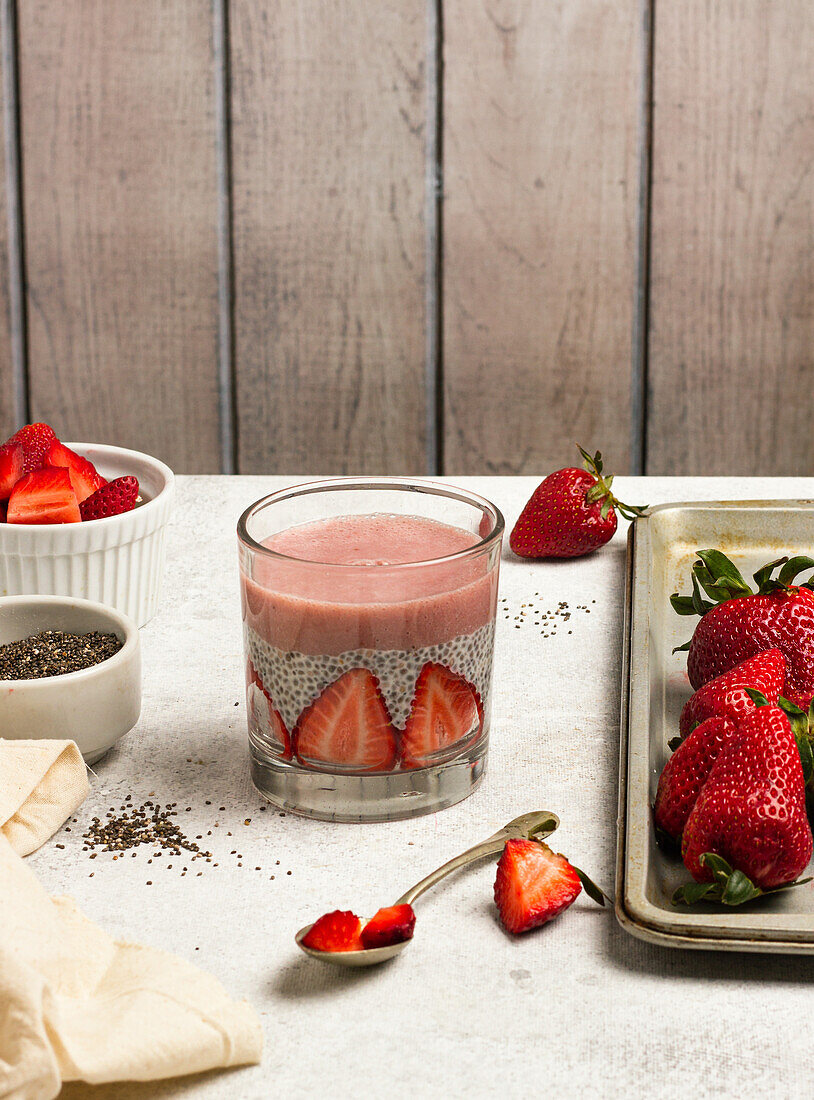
(686, 772)
(727, 696)
(738, 623)
(569, 514)
(751, 811)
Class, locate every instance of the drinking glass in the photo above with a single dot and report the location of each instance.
(369, 677)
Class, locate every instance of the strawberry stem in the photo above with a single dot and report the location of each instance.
(601, 490)
(594, 892)
(802, 726)
(729, 886)
(721, 580)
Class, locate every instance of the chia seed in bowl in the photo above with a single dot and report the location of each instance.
(54, 653)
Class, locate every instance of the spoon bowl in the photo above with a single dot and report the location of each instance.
(535, 825)
(371, 956)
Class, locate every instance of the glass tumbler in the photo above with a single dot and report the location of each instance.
(368, 622)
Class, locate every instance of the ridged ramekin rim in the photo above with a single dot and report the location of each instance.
(104, 668)
(157, 508)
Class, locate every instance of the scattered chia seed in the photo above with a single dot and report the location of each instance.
(546, 621)
(136, 825)
(55, 652)
(149, 824)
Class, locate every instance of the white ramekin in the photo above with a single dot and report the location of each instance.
(116, 561)
(93, 707)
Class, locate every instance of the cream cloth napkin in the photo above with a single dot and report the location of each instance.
(76, 1004)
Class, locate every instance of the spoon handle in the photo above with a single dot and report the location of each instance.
(539, 824)
(486, 848)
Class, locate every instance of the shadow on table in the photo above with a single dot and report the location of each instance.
(306, 979)
(628, 953)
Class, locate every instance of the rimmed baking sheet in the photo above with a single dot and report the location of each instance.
(661, 550)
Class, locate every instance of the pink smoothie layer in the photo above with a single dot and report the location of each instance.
(328, 604)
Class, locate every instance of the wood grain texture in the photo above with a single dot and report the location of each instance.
(731, 342)
(328, 140)
(119, 185)
(541, 113)
(7, 372)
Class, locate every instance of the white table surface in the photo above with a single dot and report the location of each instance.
(576, 1007)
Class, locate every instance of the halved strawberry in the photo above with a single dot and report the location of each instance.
(264, 715)
(35, 439)
(533, 885)
(44, 496)
(115, 497)
(337, 931)
(12, 462)
(85, 478)
(348, 726)
(394, 924)
(445, 710)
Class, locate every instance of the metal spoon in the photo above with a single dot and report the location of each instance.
(538, 824)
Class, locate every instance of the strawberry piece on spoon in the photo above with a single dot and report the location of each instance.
(336, 931)
(393, 924)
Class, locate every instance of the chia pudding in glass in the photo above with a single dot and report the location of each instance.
(368, 622)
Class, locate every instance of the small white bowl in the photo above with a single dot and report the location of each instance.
(117, 561)
(93, 707)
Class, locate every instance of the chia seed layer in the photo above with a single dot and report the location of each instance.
(293, 680)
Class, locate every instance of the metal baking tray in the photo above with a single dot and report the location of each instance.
(661, 549)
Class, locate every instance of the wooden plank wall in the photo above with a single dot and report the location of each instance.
(9, 380)
(120, 216)
(732, 286)
(541, 109)
(415, 236)
(328, 167)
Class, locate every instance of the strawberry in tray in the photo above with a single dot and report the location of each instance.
(738, 622)
(686, 772)
(347, 726)
(570, 514)
(445, 711)
(748, 832)
(727, 695)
